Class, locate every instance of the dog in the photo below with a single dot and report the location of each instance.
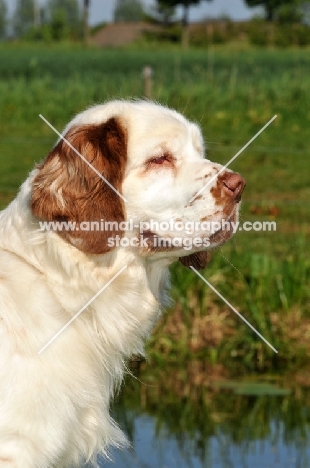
(77, 303)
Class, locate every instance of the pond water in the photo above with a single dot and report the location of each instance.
(225, 424)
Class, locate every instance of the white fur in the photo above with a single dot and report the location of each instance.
(54, 406)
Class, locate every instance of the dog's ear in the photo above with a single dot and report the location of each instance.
(66, 189)
(198, 260)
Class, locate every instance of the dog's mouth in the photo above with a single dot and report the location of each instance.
(154, 242)
(226, 231)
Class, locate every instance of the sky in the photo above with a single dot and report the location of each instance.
(102, 10)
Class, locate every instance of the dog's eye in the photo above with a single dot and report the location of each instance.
(159, 160)
(163, 160)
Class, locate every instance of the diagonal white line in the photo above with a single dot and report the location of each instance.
(82, 157)
(83, 308)
(232, 159)
(232, 308)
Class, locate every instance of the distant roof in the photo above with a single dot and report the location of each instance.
(118, 34)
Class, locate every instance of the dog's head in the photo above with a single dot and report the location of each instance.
(133, 174)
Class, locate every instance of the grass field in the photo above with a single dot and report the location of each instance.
(231, 93)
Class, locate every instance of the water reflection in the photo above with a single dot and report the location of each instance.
(174, 421)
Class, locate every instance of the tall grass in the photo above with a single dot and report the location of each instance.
(270, 292)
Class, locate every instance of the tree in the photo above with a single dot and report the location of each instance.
(24, 16)
(186, 4)
(3, 12)
(128, 10)
(70, 9)
(65, 18)
(164, 13)
(86, 5)
(272, 7)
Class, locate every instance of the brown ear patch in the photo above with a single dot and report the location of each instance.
(66, 189)
(198, 260)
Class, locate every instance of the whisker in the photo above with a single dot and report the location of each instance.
(231, 264)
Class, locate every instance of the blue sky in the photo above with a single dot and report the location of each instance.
(102, 10)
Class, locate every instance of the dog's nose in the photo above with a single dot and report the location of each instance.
(233, 185)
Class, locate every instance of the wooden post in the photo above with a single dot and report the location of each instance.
(147, 74)
(185, 37)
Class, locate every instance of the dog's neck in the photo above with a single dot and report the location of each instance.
(68, 268)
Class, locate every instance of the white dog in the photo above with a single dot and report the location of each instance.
(143, 169)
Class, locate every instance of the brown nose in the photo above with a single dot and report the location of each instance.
(233, 185)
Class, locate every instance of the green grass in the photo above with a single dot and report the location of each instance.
(269, 290)
(231, 93)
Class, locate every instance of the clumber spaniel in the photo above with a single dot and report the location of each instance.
(146, 211)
